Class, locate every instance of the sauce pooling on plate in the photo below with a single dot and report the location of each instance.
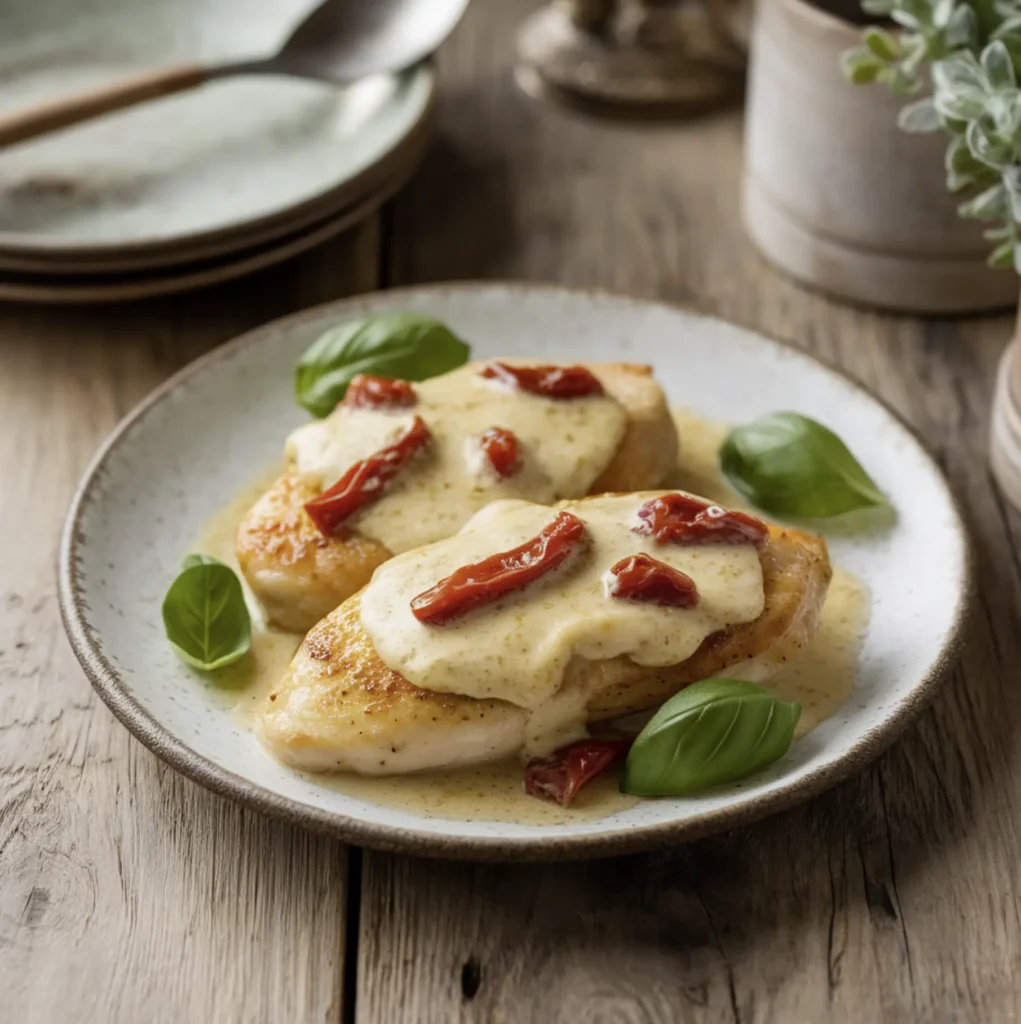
(821, 679)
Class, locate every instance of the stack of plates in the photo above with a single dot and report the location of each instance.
(200, 187)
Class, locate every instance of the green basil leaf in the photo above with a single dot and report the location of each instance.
(199, 559)
(205, 616)
(790, 465)
(405, 345)
(714, 732)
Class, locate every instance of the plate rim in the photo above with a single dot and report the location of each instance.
(404, 159)
(188, 277)
(88, 648)
(24, 243)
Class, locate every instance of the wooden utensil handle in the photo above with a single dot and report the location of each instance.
(19, 125)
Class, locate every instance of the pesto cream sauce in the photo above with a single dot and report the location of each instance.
(565, 445)
(518, 648)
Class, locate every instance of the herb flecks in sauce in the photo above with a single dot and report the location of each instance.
(820, 679)
(564, 447)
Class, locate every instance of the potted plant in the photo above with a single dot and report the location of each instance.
(971, 98)
(835, 192)
(969, 50)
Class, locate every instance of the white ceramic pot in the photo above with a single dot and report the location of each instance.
(836, 195)
(1005, 433)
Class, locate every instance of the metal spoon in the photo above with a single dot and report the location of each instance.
(340, 41)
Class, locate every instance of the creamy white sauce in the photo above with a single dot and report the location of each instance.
(822, 678)
(518, 648)
(565, 445)
(481, 792)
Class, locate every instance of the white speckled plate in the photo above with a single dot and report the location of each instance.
(192, 445)
(101, 289)
(235, 156)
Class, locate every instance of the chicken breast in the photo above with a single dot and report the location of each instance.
(300, 576)
(339, 708)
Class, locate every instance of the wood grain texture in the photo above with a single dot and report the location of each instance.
(128, 894)
(893, 898)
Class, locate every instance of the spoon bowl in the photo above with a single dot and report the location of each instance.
(340, 41)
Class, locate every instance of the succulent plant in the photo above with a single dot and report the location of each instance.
(968, 54)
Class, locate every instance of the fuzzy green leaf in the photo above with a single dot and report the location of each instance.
(961, 29)
(985, 149)
(993, 204)
(1009, 26)
(957, 73)
(919, 117)
(882, 44)
(1012, 184)
(860, 66)
(963, 105)
(942, 10)
(1002, 257)
(906, 19)
(997, 65)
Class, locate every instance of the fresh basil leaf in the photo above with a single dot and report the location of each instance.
(790, 465)
(405, 345)
(199, 559)
(205, 616)
(713, 732)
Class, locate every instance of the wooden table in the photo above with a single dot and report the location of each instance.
(128, 894)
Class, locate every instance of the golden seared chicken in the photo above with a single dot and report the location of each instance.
(397, 465)
(532, 622)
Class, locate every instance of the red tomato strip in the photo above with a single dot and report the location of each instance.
(560, 776)
(501, 449)
(364, 482)
(679, 519)
(642, 578)
(548, 381)
(366, 392)
(488, 580)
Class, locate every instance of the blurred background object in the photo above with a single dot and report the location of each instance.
(635, 58)
(338, 42)
(836, 194)
(215, 182)
(953, 67)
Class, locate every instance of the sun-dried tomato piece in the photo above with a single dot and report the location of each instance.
(488, 580)
(548, 381)
(368, 392)
(364, 482)
(501, 449)
(680, 519)
(560, 776)
(643, 578)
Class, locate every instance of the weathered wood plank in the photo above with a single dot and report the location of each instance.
(892, 898)
(128, 894)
